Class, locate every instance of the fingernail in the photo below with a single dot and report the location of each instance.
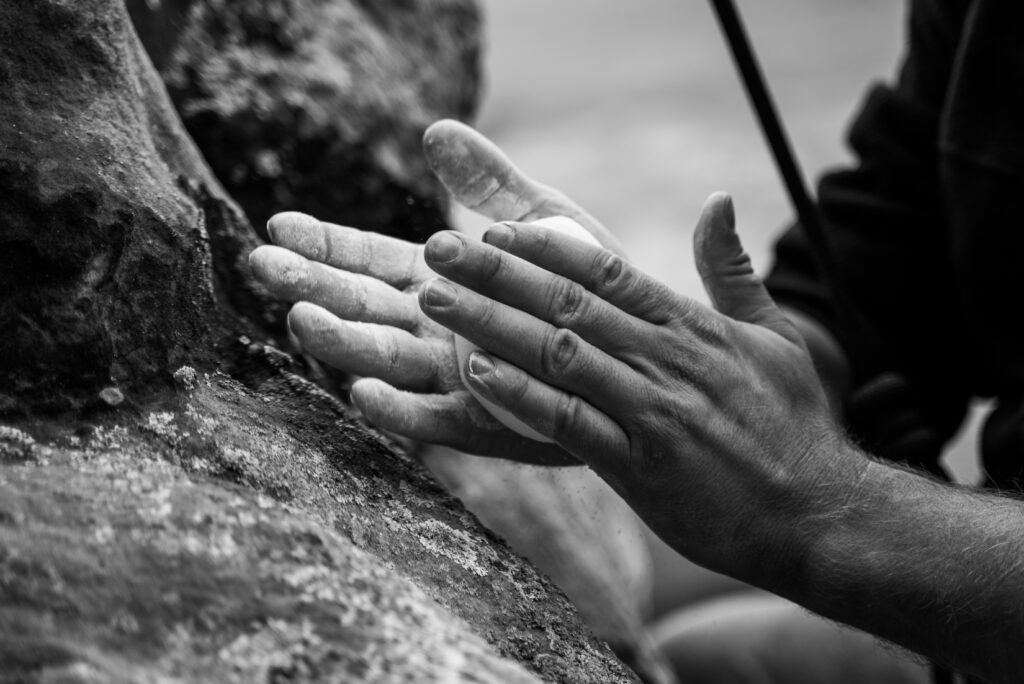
(439, 293)
(444, 247)
(729, 211)
(499, 235)
(480, 365)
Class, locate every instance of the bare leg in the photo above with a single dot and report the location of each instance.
(757, 638)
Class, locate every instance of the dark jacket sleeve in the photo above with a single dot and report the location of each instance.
(887, 226)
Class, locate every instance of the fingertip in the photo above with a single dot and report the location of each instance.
(304, 319)
(366, 394)
(443, 247)
(278, 266)
(719, 204)
(383, 406)
(470, 166)
(439, 140)
(440, 129)
(716, 229)
(257, 261)
(287, 224)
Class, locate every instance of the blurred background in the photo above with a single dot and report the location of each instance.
(632, 107)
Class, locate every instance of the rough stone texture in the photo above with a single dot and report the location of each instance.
(110, 217)
(118, 568)
(320, 105)
(164, 522)
(125, 557)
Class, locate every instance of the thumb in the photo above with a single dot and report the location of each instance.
(478, 174)
(729, 278)
(482, 178)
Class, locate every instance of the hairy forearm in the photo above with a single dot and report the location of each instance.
(935, 568)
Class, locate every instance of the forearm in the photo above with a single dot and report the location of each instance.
(932, 567)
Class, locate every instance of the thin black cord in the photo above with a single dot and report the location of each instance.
(771, 126)
(806, 209)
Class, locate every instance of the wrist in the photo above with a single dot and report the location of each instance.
(840, 554)
(816, 510)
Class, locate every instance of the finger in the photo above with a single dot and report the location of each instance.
(456, 420)
(396, 262)
(510, 280)
(572, 422)
(732, 284)
(379, 351)
(482, 178)
(556, 355)
(351, 296)
(604, 273)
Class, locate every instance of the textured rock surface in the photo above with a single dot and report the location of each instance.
(109, 217)
(124, 555)
(161, 521)
(319, 105)
(118, 568)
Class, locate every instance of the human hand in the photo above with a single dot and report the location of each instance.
(358, 312)
(711, 424)
(357, 307)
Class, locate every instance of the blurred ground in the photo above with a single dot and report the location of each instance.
(634, 110)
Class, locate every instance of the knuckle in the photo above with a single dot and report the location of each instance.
(567, 302)
(567, 417)
(486, 312)
(493, 265)
(391, 353)
(518, 387)
(541, 240)
(611, 272)
(559, 351)
(359, 299)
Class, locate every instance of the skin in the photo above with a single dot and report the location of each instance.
(713, 424)
(356, 309)
(627, 375)
(357, 301)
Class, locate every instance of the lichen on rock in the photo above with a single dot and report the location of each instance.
(363, 571)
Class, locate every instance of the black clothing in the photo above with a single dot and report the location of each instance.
(928, 231)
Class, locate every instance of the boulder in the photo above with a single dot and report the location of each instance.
(177, 503)
(244, 534)
(122, 256)
(319, 105)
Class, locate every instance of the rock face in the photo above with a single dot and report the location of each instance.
(121, 256)
(317, 105)
(161, 520)
(167, 576)
(125, 556)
